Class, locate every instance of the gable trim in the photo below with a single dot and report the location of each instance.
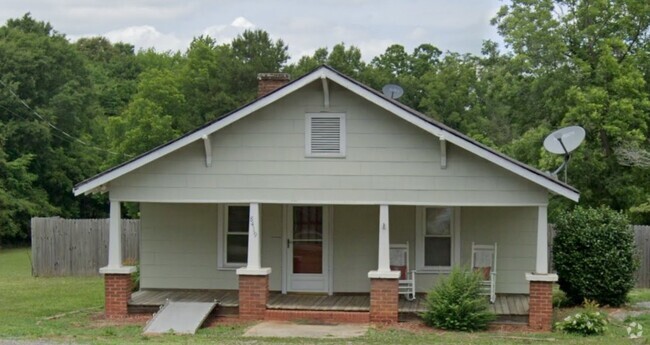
(101, 179)
(415, 118)
(458, 139)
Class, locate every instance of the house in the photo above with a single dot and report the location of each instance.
(305, 189)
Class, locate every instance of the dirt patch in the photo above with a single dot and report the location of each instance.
(99, 320)
(220, 320)
(418, 326)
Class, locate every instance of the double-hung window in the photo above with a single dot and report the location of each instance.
(438, 239)
(233, 235)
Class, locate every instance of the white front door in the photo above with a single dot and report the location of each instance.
(307, 249)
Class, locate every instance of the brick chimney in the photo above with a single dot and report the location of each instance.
(269, 82)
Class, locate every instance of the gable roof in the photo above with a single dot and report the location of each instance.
(410, 115)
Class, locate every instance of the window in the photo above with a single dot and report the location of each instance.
(325, 135)
(437, 238)
(234, 236)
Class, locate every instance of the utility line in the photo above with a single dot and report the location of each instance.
(49, 124)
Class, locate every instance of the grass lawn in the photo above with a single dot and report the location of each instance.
(69, 310)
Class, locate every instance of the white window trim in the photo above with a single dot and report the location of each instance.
(222, 239)
(420, 221)
(343, 143)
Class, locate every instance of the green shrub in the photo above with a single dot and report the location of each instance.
(589, 322)
(594, 255)
(456, 303)
(559, 298)
(135, 276)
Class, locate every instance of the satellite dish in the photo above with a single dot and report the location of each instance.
(563, 142)
(392, 91)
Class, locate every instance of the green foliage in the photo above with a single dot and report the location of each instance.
(559, 298)
(588, 322)
(594, 255)
(455, 303)
(586, 63)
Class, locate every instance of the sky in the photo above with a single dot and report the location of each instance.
(371, 25)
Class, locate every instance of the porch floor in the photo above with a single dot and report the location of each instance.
(506, 304)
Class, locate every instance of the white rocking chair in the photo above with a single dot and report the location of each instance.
(484, 261)
(399, 261)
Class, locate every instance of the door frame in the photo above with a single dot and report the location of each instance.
(328, 245)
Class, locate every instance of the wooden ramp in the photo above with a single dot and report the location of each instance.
(179, 317)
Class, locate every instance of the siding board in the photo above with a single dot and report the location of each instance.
(262, 158)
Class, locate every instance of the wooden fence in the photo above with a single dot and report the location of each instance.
(642, 239)
(78, 247)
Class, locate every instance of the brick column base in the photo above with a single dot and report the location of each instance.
(540, 312)
(384, 298)
(117, 294)
(253, 296)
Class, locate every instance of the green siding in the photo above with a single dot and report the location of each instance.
(262, 158)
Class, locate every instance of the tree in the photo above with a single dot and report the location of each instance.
(153, 117)
(586, 60)
(204, 79)
(47, 119)
(253, 52)
(20, 197)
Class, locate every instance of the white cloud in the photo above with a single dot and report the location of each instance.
(226, 33)
(304, 26)
(146, 36)
(371, 48)
(418, 34)
(242, 23)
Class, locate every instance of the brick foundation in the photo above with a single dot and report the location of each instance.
(253, 296)
(384, 300)
(316, 315)
(117, 294)
(540, 313)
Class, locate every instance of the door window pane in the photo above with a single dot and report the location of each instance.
(308, 223)
(308, 257)
(308, 239)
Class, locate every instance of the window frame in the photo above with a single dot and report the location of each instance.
(342, 135)
(222, 238)
(420, 227)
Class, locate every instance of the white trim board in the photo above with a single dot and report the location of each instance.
(401, 111)
(327, 202)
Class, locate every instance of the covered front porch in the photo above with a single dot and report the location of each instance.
(269, 259)
(508, 307)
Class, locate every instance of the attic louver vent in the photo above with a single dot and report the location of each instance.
(325, 135)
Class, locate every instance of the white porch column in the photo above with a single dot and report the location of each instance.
(115, 243)
(115, 236)
(541, 266)
(254, 262)
(383, 265)
(254, 241)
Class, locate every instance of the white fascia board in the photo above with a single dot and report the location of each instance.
(454, 139)
(152, 156)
